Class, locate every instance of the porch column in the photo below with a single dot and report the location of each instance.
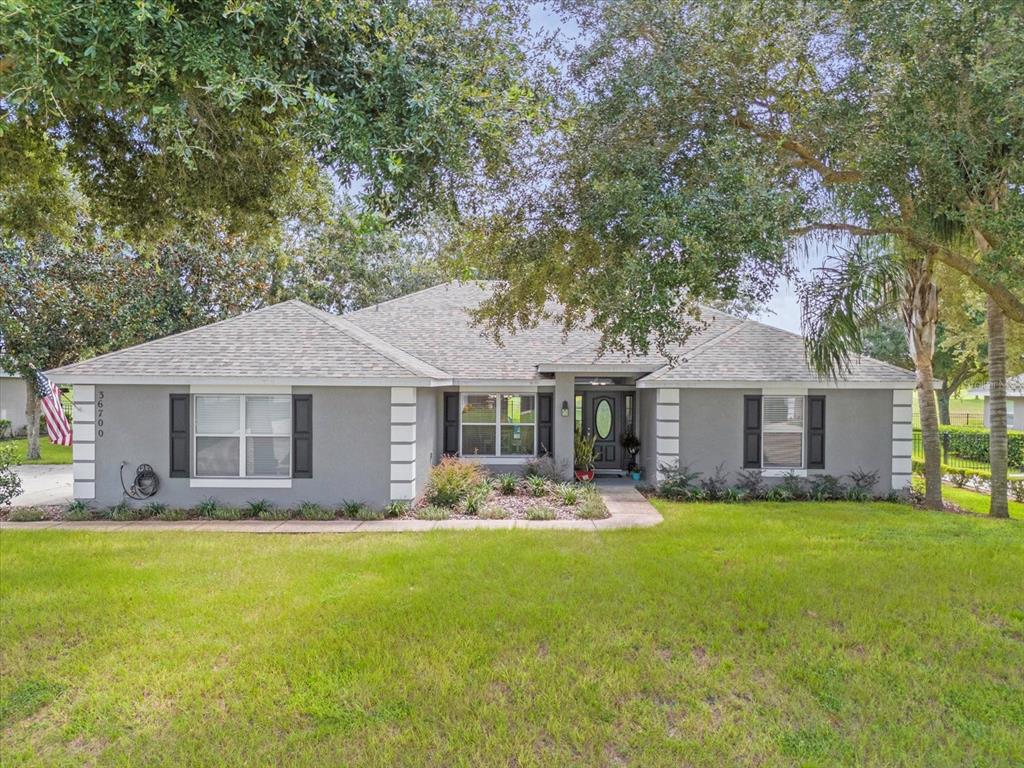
(403, 443)
(83, 441)
(564, 426)
(667, 438)
(902, 439)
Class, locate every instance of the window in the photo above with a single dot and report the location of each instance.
(499, 425)
(782, 432)
(243, 435)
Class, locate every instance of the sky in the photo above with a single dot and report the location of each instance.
(783, 310)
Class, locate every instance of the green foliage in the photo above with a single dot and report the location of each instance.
(592, 507)
(226, 513)
(540, 512)
(973, 442)
(567, 493)
(679, 483)
(536, 486)
(714, 487)
(160, 511)
(123, 512)
(433, 512)
(396, 509)
(310, 510)
(451, 480)
(25, 515)
(827, 488)
(507, 483)
(492, 512)
(366, 512)
(5, 428)
(1017, 490)
(77, 511)
(10, 483)
(351, 509)
(206, 507)
(751, 483)
(262, 509)
(583, 450)
(476, 498)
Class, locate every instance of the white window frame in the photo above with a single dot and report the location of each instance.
(242, 435)
(801, 470)
(498, 457)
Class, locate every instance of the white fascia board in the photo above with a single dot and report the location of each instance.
(261, 381)
(592, 368)
(487, 386)
(774, 385)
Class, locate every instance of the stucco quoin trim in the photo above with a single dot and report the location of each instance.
(902, 438)
(667, 431)
(83, 441)
(403, 444)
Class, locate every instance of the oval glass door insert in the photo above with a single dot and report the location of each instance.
(603, 419)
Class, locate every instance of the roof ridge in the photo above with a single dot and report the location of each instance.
(373, 342)
(178, 334)
(702, 347)
(445, 284)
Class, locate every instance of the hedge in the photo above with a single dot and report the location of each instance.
(972, 443)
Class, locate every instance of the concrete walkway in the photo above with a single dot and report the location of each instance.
(628, 508)
(44, 485)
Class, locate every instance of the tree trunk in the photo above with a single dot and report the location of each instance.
(921, 317)
(32, 416)
(944, 397)
(997, 445)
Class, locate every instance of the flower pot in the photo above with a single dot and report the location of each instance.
(584, 475)
(635, 474)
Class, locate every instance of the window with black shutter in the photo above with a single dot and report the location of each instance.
(816, 432)
(545, 435)
(451, 422)
(179, 436)
(752, 431)
(302, 436)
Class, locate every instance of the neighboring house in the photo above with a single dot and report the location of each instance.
(1014, 401)
(13, 399)
(290, 403)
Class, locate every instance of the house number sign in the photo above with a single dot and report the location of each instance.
(99, 413)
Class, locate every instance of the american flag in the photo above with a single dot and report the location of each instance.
(57, 425)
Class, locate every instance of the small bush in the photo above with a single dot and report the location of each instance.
(396, 509)
(369, 513)
(1017, 490)
(206, 507)
(680, 484)
(10, 483)
(544, 467)
(734, 495)
(796, 486)
(959, 477)
(451, 480)
(433, 512)
(779, 492)
(507, 484)
(310, 510)
(864, 480)
(154, 509)
(492, 512)
(536, 486)
(225, 513)
(476, 498)
(540, 512)
(123, 513)
(568, 494)
(751, 483)
(827, 488)
(165, 513)
(262, 509)
(713, 487)
(25, 515)
(351, 509)
(592, 507)
(77, 511)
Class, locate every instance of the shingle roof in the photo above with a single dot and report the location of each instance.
(429, 336)
(287, 340)
(1014, 387)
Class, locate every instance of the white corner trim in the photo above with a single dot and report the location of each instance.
(402, 469)
(84, 470)
(85, 432)
(83, 451)
(902, 440)
(403, 491)
(84, 490)
(668, 395)
(239, 482)
(84, 393)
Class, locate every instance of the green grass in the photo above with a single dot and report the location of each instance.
(966, 406)
(973, 501)
(790, 634)
(48, 452)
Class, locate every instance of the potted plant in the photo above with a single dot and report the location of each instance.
(584, 456)
(631, 444)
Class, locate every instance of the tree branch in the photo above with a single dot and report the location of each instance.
(808, 158)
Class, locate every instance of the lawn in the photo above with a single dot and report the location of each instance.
(48, 452)
(785, 634)
(978, 502)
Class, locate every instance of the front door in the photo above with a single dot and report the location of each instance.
(604, 423)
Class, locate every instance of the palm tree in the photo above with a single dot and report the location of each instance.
(857, 292)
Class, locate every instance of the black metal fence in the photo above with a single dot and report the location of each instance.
(967, 419)
(949, 457)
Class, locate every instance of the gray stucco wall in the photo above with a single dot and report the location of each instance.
(648, 399)
(858, 431)
(13, 396)
(351, 449)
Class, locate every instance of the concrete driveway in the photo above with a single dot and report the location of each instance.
(44, 485)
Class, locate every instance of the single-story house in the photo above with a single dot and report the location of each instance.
(13, 399)
(1014, 402)
(290, 403)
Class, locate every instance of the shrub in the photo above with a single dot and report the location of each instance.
(77, 511)
(492, 512)
(751, 483)
(351, 509)
(540, 512)
(1017, 490)
(734, 495)
(863, 480)
(568, 494)
(536, 485)
(959, 477)
(476, 498)
(168, 514)
(713, 487)
(206, 508)
(593, 507)
(450, 480)
(827, 488)
(5, 428)
(795, 485)
(433, 512)
(124, 513)
(225, 513)
(264, 510)
(780, 492)
(507, 484)
(10, 483)
(369, 513)
(679, 483)
(25, 515)
(396, 509)
(545, 467)
(155, 509)
(972, 443)
(310, 510)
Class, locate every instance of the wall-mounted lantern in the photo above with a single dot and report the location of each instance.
(565, 407)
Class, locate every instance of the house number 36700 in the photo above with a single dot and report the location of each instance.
(99, 413)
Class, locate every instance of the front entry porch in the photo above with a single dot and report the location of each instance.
(607, 408)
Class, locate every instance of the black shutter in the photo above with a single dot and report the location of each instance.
(752, 431)
(302, 435)
(451, 422)
(545, 403)
(816, 432)
(179, 436)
